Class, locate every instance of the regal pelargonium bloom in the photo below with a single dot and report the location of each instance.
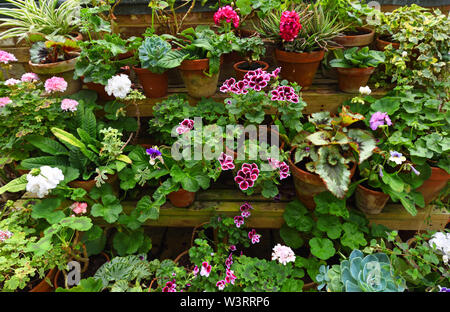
(69, 105)
(185, 126)
(195, 271)
(284, 171)
(253, 236)
(239, 87)
(285, 93)
(365, 90)
(226, 161)
(289, 25)
(4, 235)
(5, 101)
(379, 119)
(247, 176)
(230, 277)
(226, 86)
(238, 220)
(221, 284)
(55, 84)
(79, 208)
(283, 254)
(229, 261)
(206, 269)
(12, 82)
(46, 180)
(245, 210)
(227, 14)
(397, 157)
(29, 77)
(118, 86)
(6, 57)
(257, 79)
(170, 286)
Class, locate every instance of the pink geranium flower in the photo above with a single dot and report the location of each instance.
(4, 235)
(226, 161)
(78, 207)
(285, 93)
(205, 270)
(289, 25)
(230, 277)
(245, 210)
(379, 119)
(6, 57)
(284, 170)
(29, 77)
(185, 126)
(253, 236)
(11, 82)
(221, 284)
(55, 84)
(228, 14)
(226, 86)
(238, 220)
(247, 176)
(5, 101)
(69, 105)
(239, 87)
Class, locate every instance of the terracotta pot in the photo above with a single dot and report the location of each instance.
(431, 188)
(363, 39)
(382, 44)
(90, 184)
(44, 286)
(197, 83)
(154, 85)
(240, 73)
(370, 201)
(100, 89)
(299, 67)
(307, 185)
(181, 198)
(351, 79)
(64, 69)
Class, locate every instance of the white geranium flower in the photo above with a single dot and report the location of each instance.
(404, 54)
(283, 254)
(119, 86)
(47, 179)
(441, 242)
(365, 90)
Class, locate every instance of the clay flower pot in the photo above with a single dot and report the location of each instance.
(299, 67)
(431, 188)
(154, 85)
(43, 285)
(239, 73)
(90, 184)
(64, 69)
(370, 201)
(181, 198)
(351, 79)
(364, 38)
(197, 83)
(382, 44)
(100, 89)
(307, 185)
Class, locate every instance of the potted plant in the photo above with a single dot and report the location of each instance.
(56, 56)
(198, 59)
(152, 74)
(302, 35)
(99, 152)
(251, 49)
(351, 14)
(325, 157)
(354, 67)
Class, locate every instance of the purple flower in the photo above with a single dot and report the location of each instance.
(226, 161)
(443, 289)
(380, 172)
(153, 152)
(253, 236)
(397, 157)
(245, 210)
(247, 176)
(416, 172)
(379, 119)
(238, 220)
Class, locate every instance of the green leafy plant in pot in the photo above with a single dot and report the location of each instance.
(251, 48)
(153, 73)
(355, 66)
(325, 157)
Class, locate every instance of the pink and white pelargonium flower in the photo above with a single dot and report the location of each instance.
(245, 210)
(12, 82)
(6, 57)
(29, 77)
(55, 84)
(253, 236)
(247, 176)
(221, 284)
(230, 277)
(206, 269)
(281, 166)
(5, 101)
(285, 93)
(79, 208)
(185, 126)
(226, 161)
(226, 86)
(4, 235)
(238, 220)
(171, 286)
(283, 254)
(69, 105)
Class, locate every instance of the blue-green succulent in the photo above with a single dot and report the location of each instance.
(152, 50)
(372, 273)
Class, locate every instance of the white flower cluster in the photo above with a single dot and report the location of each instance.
(46, 180)
(365, 90)
(119, 86)
(283, 254)
(441, 242)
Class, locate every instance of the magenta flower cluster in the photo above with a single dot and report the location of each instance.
(379, 119)
(281, 166)
(245, 210)
(253, 236)
(171, 286)
(229, 279)
(285, 93)
(6, 57)
(255, 79)
(4, 235)
(185, 126)
(228, 14)
(226, 161)
(247, 176)
(289, 25)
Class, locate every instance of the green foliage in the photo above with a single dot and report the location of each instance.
(152, 51)
(350, 13)
(357, 58)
